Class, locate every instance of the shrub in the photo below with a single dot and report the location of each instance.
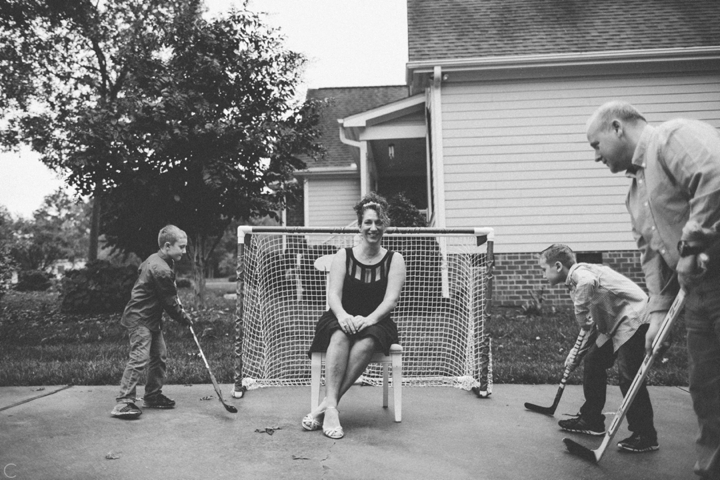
(6, 269)
(33, 281)
(403, 212)
(183, 283)
(100, 287)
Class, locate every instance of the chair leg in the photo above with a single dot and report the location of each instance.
(315, 370)
(397, 386)
(385, 384)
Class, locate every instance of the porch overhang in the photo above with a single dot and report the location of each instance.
(372, 124)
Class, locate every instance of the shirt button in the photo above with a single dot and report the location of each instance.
(652, 228)
(662, 251)
(645, 204)
(640, 181)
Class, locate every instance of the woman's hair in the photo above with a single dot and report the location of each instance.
(558, 253)
(375, 202)
(170, 233)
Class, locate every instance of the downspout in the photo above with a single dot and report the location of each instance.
(437, 142)
(363, 158)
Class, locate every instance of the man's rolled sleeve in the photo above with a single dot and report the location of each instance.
(693, 157)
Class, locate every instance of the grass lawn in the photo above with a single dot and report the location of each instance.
(39, 345)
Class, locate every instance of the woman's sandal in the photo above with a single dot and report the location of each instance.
(336, 433)
(311, 423)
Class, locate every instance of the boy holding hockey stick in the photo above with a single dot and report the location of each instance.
(154, 292)
(612, 303)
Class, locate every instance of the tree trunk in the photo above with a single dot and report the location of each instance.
(94, 226)
(197, 256)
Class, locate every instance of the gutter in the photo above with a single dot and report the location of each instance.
(347, 170)
(363, 157)
(562, 59)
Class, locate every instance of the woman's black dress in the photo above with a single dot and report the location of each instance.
(363, 290)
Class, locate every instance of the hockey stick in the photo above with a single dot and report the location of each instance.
(229, 408)
(568, 370)
(595, 455)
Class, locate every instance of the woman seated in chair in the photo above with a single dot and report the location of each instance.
(365, 284)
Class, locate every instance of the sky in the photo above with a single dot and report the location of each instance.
(348, 43)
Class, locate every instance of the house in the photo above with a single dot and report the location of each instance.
(492, 126)
(332, 184)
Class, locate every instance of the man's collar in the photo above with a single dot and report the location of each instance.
(638, 159)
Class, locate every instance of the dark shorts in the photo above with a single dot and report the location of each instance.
(384, 332)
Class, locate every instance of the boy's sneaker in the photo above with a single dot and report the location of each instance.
(580, 425)
(158, 401)
(126, 411)
(638, 443)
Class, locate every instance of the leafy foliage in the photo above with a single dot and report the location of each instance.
(162, 116)
(58, 230)
(7, 264)
(225, 136)
(99, 287)
(403, 213)
(33, 280)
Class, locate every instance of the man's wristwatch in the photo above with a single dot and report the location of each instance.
(686, 250)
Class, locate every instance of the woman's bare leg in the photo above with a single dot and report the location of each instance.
(358, 358)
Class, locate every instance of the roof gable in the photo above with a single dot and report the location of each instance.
(343, 102)
(445, 29)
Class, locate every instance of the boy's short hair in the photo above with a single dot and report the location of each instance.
(559, 253)
(171, 234)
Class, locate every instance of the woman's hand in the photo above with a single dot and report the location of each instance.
(360, 322)
(346, 323)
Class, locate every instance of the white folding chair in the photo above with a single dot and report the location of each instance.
(393, 360)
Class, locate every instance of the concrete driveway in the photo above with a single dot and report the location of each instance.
(446, 433)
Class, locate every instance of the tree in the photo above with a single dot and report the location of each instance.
(7, 265)
(64, 68)
(58, 230)
(223, 134)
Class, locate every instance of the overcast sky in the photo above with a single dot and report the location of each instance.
(348, 43)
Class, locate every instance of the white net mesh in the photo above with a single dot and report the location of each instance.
(440, 316)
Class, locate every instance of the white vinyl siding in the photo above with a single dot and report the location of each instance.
(517, 158)
(331, 201)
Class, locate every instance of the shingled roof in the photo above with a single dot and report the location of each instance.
(456, 29)
(343, 102)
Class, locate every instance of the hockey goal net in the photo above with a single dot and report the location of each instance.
(441, 314)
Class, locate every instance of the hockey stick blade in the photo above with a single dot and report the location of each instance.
(561, 388)
(229, 408)
(580, 450)
(544, 410)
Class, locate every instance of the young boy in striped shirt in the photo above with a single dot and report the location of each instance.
(615, 306)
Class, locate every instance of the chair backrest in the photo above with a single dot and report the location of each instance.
(323, 264)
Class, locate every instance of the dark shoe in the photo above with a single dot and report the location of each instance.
(126, 411)
(638, 443)
(580, 425)
(158, 401)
